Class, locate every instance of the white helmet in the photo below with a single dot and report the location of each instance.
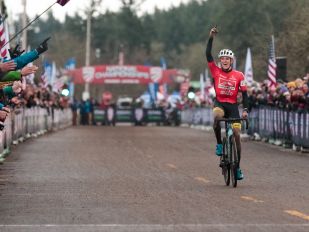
(227, 53)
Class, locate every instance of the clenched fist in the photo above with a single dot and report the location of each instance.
(213, 32)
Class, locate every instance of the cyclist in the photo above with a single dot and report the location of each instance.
(227, 83)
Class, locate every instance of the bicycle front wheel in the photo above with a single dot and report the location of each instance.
(233, 161)
(225, 164)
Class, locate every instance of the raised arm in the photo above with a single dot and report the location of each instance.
(212, 33)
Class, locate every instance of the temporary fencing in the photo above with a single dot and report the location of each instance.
(268, 122)
(23, 123)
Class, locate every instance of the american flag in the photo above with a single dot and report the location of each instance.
(44, 79)
(57, 85)
(4, 36)
(272, 66)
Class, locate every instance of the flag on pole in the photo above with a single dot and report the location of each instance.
(44, 79)
(70, 64)
(248, 68)
(53, 73)
(4, 37)
(163, 63)
(208, 86)
(121, 56)
(152, 90)
(272, 66)
(235, 63)
(57, 85)
(62, 2)
(202, 86)
(163, 88)
(47, 75)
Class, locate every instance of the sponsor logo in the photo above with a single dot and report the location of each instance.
(156, 74)
(139, 114)
(88, 73)
(243, 83)
(110, 114)
(226, 84)
(226, 92)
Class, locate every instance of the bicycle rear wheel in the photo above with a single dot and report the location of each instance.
(225, 164)
(233, 161)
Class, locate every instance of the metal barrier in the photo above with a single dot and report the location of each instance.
(24, 123)
(197, 116)
(278, 124)
(111, 116)
(268, 122)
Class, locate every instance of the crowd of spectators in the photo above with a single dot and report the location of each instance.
(293, 95)
(85, 109)
(16, 91)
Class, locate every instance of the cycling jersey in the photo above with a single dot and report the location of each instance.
(227, 84)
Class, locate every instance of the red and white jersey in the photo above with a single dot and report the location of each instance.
(227, 84)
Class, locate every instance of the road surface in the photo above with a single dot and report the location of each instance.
(124, 178)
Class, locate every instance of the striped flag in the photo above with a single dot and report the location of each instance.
(272, 66)
(57, 85)
(202, 86)
(4, 37)
(44, 79)
(184, 87)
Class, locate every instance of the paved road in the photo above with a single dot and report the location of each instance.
(148, 179)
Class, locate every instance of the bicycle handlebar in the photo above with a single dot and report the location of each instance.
(235, 120)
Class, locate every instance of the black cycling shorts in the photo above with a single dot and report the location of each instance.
(230, 110)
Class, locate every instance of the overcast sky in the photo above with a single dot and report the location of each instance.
(37, 6)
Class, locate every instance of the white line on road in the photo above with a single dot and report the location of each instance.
(159, 225)
(171, 166)
(201, 179)
(247, 198)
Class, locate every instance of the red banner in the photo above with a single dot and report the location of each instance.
(126, 74)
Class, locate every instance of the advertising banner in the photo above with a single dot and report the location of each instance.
(99, 116)
(155, 115)
(126, 74)
(124, 115)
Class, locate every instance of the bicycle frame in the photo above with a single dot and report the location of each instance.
(229, 162)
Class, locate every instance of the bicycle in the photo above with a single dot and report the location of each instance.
(229, 160)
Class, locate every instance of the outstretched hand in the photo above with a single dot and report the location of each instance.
(8, 66)
(28, 70)
(43, 47)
